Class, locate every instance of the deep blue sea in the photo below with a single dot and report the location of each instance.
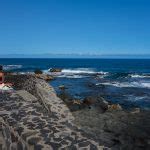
(123, 81)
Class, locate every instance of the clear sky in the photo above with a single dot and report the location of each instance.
(75, 26)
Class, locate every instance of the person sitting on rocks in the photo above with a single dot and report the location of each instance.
(4, 86)
(1, 75)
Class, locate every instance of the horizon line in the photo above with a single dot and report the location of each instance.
(75, 55)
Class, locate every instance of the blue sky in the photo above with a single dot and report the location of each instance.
(75, 26)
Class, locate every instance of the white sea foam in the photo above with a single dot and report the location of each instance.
(136, 98)
(11, 67)
(71, 76)
(101, 76)
(146, 84)
(75, 73)
(139, 76)
(127, 84)
(82, 71)
(78, 71)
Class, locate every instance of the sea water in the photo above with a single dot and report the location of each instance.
(123, 81)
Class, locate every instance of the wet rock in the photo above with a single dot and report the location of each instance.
(38, 71)
(88, 101)
(66, 97)
(45, 77)
(77, 101)
(114, 107)
(103, 103)
(135, 110)
(75, 105)
(55, 70)
(62, 87)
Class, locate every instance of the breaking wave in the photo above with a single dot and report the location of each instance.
(82, 71)
(140, 76)
(127, 84)
(76, 73)
(71, 76)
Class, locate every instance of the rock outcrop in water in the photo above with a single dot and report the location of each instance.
(55, 70)
(45, 77)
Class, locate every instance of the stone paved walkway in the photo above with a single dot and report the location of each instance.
(26, 124)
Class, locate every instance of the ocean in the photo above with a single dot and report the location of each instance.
(123, 81)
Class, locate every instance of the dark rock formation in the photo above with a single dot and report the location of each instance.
(45, 77)
(62, 87)
(38, 71)
(55, 70)
(89, 101)
(115, 128)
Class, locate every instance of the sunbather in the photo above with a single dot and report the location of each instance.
(1, 75)
(4, 86)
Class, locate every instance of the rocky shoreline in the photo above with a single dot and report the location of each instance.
(33, 117)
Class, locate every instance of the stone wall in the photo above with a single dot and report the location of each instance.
(44, 92)
(26, 125)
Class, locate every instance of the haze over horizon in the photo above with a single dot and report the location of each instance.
(82, 28)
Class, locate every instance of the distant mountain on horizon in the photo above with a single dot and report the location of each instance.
(75, 56)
